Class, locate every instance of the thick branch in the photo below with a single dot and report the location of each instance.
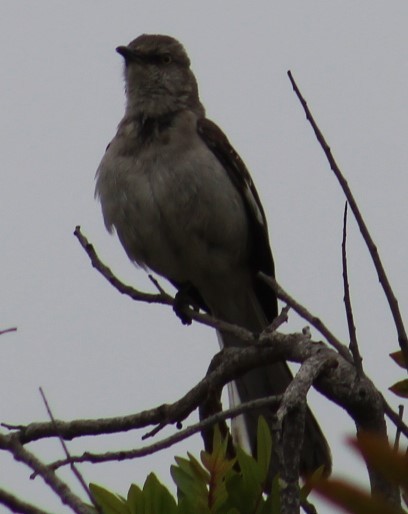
(291, 427)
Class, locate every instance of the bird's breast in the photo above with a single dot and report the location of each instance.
(174, 207)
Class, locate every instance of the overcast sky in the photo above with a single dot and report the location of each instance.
(95, 352)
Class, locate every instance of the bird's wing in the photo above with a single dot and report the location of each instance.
(260, 254)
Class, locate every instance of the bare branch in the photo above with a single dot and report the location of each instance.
(106, 272)
(161, 298)
(156, 284)
(7, 330)
(398, 433)
(16, 505)
(280, 319)
(347, 301)
(74, 469)
(297, 390)
(395, 418)
(359, 398)
(302, 311)
(382, 277)
(173, 439)
(60, 488)
(290, 428)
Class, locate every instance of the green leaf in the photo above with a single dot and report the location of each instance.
(157, 498)
(264, 447)
(274, 497)
(251, 472)
(245, 488)
(187, 484)
(109, 502)
(400, 388)
(135, 499)
(198, 470)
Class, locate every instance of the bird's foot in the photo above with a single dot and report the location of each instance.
(182, 301)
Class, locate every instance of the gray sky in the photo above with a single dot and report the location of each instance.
(98, 354)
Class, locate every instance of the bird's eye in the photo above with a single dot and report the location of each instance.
(166, 59)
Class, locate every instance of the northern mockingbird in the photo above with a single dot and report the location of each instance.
(183, 205)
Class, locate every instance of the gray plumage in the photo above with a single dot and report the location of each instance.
(183, 205)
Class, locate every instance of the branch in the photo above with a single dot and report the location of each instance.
(291, 426)
(349, 311)
(281, 318)
(173, 439)
(395, 418)
(74, 469)
(398, 433)
(360, 398)
(229, 364)
(130, 422)
(16, 505)
(382, 277)
(161, 298)
(60, 488)
(7, 330)
(302, 311)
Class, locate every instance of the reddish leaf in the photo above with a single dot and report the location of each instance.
(352, 499)
(378, 453)
(398, 358)
(400, 388)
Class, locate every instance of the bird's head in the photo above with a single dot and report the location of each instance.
(158, 76)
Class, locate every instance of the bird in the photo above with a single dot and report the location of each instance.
(184, 206)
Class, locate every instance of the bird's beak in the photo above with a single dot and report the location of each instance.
(128, 53)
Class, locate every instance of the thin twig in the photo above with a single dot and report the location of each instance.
(382, 277)
(173, 439)
(161, 298)
(156, 284)
(398, 432)
(302, 311)
(347, 301)
(280, 319)
(74, 469)
(395, 418)
(7, 330)
(106, 272)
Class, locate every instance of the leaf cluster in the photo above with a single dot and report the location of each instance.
(213, 485)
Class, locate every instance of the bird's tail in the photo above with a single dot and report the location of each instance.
(268, 380)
